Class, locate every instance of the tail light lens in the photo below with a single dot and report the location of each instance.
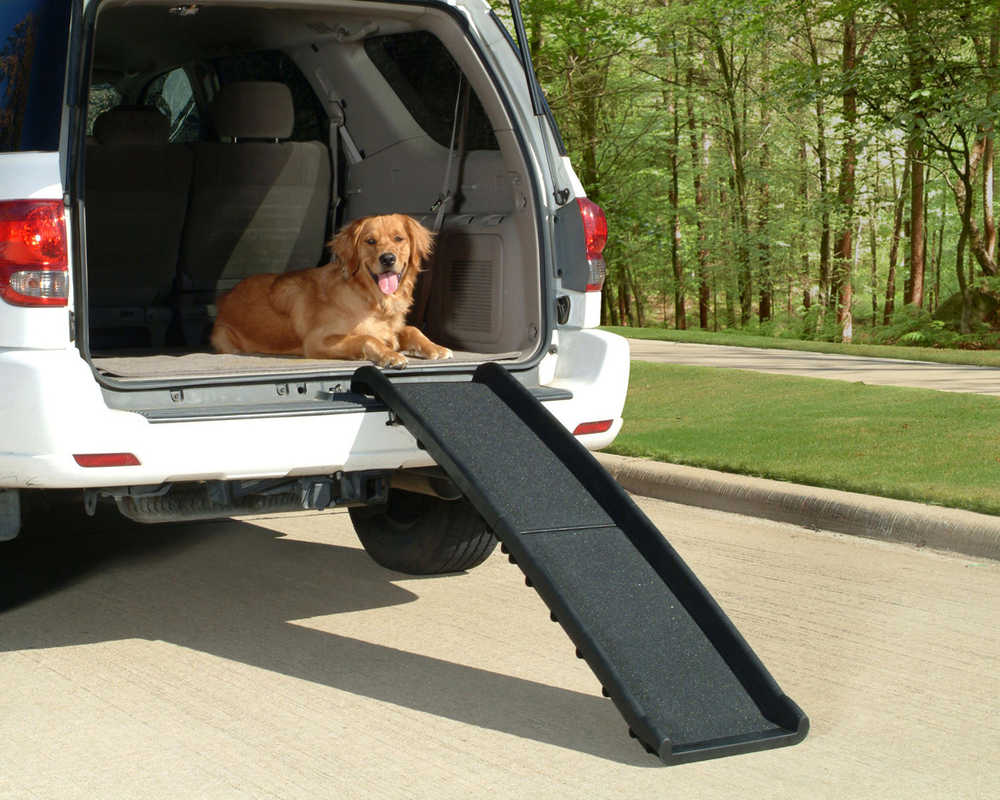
(34, 261)
(595, 231)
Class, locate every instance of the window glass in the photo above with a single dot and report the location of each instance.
(311, 121)
(102, 97)
(172, 95)
(33, 42)
(425, 77)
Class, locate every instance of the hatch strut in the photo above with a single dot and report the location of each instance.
(537, 105)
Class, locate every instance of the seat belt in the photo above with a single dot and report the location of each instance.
(336, 124)
(449, 190)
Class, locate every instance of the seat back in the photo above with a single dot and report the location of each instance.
(258, 204)
(137, 186)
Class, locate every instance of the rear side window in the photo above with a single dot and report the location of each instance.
(425, 77)
(172, 95)
(103, 97)
(34, 36)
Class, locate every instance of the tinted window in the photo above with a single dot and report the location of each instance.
(311, 121)
(33, 42)
(425, 76)
(172, 95)
(103, 97)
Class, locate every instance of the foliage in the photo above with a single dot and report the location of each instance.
(741, 100)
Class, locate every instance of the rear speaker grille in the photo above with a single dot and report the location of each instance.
(472, 301)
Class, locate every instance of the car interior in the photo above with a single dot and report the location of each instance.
(226, 141)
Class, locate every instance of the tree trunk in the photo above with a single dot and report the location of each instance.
(963, 189)
(738, 159)
(915, 295)
(609, 304)
(915, 146)
(963, 285)
(680, 312)
(803, 224)
(764, 277)
(824, 169)
(989, 223)
(937, 266)
(873, 244)
(637, 309)
(897, 227)
(845, 191)
(699, 168)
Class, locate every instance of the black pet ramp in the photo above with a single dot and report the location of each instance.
(687, 683)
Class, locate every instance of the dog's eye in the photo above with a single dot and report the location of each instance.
(370, 240)
(399, 238)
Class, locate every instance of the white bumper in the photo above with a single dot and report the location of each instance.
(54, 409)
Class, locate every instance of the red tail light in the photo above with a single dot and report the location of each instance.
(595, 232)
(34, 261)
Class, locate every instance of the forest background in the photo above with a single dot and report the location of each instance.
(796, 168)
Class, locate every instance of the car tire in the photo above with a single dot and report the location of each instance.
(423, 535)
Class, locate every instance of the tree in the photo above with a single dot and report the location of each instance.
(845, 192)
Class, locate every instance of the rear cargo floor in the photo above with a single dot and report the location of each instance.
(125, 365)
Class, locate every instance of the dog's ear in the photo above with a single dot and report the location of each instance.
(421, 241)
(344, 246)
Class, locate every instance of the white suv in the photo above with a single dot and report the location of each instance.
(130, 199)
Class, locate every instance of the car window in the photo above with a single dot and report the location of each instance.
(425, 77)
(172, 95)
(102, 97)
(33, 35)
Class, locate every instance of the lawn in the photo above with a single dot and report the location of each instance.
(982, 358)
(912, 444)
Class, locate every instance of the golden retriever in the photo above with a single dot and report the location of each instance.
(352, 308)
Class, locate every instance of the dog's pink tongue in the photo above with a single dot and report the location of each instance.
(388, 282)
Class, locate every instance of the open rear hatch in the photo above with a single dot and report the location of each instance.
(193, 180)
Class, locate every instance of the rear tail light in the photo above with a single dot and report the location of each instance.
(34, 261)
(595, 231)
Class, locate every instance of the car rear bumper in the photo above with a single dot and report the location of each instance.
(55, 411)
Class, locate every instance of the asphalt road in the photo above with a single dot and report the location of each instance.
(882, 371)
(272, 658)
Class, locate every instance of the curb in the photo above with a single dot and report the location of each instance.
(965, 532)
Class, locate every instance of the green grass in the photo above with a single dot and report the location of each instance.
(913, 444)
(981, 358)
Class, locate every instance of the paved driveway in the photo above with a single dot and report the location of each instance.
(270, 658)
(885, 371)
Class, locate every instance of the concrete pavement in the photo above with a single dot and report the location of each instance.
(880, 371)
(270, 658)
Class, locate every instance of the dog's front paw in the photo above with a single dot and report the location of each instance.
(439, 353)
(391, 360)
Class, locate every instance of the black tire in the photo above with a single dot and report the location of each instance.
(423, 535)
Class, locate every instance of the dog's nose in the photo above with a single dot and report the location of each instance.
(387, 259)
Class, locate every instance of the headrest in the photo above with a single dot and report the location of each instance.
(253, 110)
(126, 125)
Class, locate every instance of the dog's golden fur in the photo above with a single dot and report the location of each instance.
(352, 308)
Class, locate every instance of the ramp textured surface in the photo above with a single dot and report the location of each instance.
(682, 676)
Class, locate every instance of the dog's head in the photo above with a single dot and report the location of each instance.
(383, 252)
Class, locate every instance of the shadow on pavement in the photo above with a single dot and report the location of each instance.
(230, 588)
